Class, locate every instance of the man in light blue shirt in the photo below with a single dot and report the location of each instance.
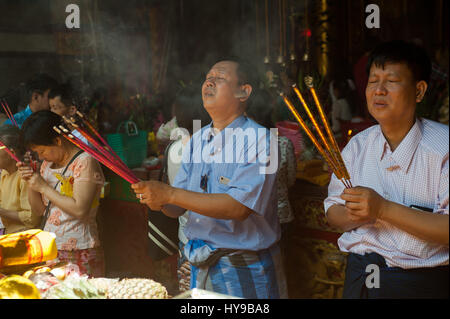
(226, 183)
(37, 89)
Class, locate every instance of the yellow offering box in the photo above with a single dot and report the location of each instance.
(27, 247)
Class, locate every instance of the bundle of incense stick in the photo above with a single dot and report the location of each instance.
(27, 160)
(100, 150)
(8, 112)
(329, 148)
(3, 146)
(10, 115)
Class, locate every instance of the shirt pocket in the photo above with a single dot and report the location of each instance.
(221, 183)
(221, 179)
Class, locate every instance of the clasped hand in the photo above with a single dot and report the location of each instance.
(34, 180)
(363, 204)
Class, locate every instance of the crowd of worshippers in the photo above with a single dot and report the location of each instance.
(233, 216)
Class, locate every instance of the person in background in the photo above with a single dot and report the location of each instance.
(187, 108)
(38, 88)
(340, 109)
(63, 102)
(165, 130)
(395, 218)
(75, 198)
(15, 211)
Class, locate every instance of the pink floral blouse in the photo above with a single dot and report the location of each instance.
(73, 233)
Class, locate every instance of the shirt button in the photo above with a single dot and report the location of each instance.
(197, 220)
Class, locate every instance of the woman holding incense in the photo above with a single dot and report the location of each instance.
(71, 180)
(15, 211)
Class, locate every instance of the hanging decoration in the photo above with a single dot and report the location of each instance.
(267, 57)
(306, 54)
(284, 27)
(258, 44)
(292, 55)
(323, 38)
(280, 16)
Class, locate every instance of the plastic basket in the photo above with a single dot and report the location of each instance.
(131, 146)
(119, 188)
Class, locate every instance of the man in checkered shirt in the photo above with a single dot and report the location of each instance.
(395, 221)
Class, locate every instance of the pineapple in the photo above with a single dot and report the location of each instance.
(137, 288)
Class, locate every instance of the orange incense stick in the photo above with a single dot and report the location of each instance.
(309, 133)
(330, 134)
(319, 131)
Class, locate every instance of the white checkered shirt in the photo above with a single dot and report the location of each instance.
(416, 173)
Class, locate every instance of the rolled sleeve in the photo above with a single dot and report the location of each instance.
(251, 188)
(335, 188)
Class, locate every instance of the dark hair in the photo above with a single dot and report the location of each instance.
(39, 84)
(189, 106)
(342, 86)
(38, 128)
(261, 109)
(246, 71)
(66, 94)
(10, 136)
(415, 57)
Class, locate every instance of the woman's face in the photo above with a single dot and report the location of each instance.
(49, 153)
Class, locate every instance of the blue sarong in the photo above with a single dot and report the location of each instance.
(238, 273)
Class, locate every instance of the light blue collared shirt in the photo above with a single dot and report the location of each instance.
(241, 178)
(20, 117)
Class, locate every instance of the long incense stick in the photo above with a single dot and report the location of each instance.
(310, 135)
(339, 174)
(98, 146)
(13, 119)
(97, 155)
(92, 128)
(9, 113)
(107, 163)
(330, 134)
(9, 151)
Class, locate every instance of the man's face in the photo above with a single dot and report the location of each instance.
(220, 88)
(41, 101)
(391, 93)
(58, 107)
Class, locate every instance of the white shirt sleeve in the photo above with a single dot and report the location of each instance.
(335, 188)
